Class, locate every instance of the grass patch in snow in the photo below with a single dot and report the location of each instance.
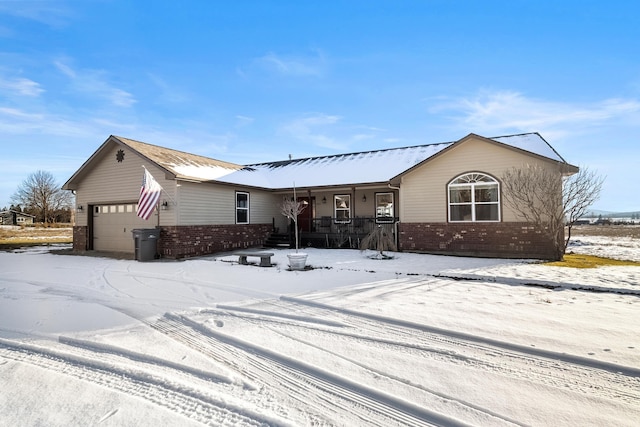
(590, 261)
(11, 237)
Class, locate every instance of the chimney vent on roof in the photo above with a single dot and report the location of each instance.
(289, 156)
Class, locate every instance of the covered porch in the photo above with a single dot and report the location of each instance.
(327, 232)
(340, 217)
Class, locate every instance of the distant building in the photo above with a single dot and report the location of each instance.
(12, 217)
(582, 221)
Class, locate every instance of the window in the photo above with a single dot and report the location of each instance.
(342, 207)
(474, 197)
(242, 208)
(384, 207)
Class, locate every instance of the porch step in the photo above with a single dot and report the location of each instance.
(277, 240)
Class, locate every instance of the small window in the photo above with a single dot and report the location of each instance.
(342, 208)
(474, 197)
(384, 207)
(242, 208)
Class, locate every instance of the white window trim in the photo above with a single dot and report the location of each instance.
(383, 219)
(473, 203)
(238, 208)
(335, 208)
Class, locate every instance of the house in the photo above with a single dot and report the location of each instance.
(11, 217)
(439, 198)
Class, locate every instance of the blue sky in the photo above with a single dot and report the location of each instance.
(254, 81)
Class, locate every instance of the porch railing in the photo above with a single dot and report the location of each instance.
(328, 232)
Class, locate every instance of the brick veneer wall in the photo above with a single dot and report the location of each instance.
(80, 238)
(187, 241)
(503, 240)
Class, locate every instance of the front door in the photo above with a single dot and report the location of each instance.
(305, 219)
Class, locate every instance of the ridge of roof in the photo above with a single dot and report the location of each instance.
(329, 170)
(278, 163)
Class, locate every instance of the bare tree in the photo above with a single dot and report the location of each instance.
(379, 239)
(551, 199)
(42, 196)
(291, 208)
(580, 191)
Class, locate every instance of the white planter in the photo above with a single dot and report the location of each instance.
(297, 261)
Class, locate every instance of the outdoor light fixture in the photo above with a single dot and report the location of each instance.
(324, 200)
(80, 208)
(164, 205)
(364, 198)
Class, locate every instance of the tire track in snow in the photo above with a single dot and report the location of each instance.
(549, 367)
(302, 379)
(390, 344)
(178, 398)
(146, 359)
(244, 364)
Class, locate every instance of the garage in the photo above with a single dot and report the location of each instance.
(112, 225)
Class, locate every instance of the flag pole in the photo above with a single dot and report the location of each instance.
(171, 199)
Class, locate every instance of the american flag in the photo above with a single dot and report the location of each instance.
(149, 195)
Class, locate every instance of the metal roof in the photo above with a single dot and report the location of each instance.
(378, 166)
(366, 167)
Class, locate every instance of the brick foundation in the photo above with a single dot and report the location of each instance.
(497, 240)
(80, 238)
(187, 241)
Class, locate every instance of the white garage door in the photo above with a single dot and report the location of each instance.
(112, 225)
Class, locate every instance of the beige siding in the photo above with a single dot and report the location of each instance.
(205, 204)
(202, 204)
(112, 182)
(263, 207)
(424, 190)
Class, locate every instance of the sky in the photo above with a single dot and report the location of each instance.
(257, 81)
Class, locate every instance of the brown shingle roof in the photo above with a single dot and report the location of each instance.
(179, 163)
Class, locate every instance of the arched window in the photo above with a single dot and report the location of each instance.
(474, 197)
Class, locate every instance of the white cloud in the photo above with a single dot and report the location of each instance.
(168, 92)
(21, 86)
(95, 82)
(312, 129)
(242, 121)
(500, 111)
(294, 65)
(14, 121)
(328, 131)
(65, 69)
(54, 14)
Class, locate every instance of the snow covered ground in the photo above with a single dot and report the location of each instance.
(417, 340)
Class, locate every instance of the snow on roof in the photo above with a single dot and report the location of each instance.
(182, 164)
(364, 167)
(376, 166)
(356, 168)
(531, 142)
(200, 172)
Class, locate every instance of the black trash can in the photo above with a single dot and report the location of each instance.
(146, 243)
